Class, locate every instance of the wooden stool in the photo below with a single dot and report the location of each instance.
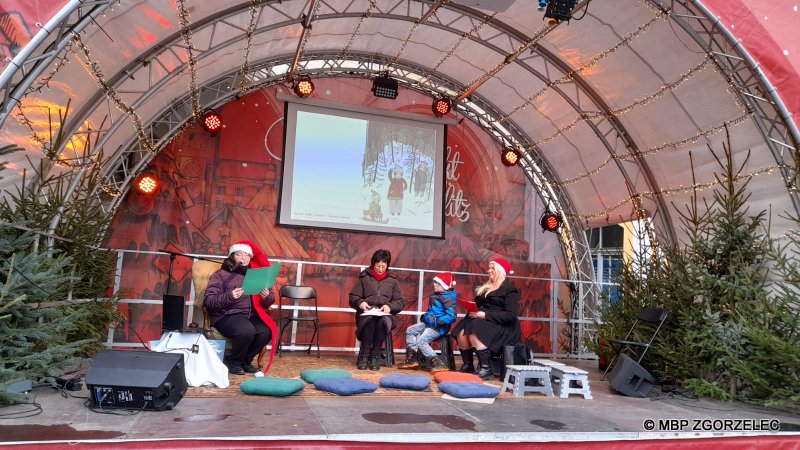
(521, 374)
(566, 375)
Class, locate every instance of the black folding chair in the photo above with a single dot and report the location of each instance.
(647, 323)
(298, 294)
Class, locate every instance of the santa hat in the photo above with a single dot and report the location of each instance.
(445, 279)
(259, 258)
(502, 265)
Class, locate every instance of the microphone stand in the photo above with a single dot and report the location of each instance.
(172, 256)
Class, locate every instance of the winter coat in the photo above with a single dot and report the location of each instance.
(219, 301)
(376, 294)
(501, 325)
(396, 187)
(441, 311)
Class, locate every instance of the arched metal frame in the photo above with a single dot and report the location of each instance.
(770, 115)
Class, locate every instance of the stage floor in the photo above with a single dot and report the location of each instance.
(228, 419)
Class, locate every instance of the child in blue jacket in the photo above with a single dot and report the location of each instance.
(436, 322)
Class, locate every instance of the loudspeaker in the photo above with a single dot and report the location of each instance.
(172, 313)
(629, 378)
(136, 380)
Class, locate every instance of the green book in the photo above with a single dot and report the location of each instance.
(255, 280)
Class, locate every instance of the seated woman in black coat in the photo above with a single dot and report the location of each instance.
(495, 324)
(376, 289)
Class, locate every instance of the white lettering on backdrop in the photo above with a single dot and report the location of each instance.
(455, 203)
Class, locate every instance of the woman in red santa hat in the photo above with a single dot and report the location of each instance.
(236, 316)
(495, 324)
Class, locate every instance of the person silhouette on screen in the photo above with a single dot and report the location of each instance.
(397, 185)
(421, 180)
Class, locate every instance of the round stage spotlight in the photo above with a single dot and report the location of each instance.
(510, 157)
(146, 184)
(550, 221)
(303, 87)
(441, 106)
(211, 122)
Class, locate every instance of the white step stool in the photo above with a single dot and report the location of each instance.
(521, 374)
(547, 362)
(566, 375)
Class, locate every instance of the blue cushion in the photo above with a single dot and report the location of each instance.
(405, 381)
(312, 375)
(469, 389)
(275, 387)
(345, 386)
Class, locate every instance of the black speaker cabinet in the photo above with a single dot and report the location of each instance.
(148, 381)
(172, 313)
(629, 378)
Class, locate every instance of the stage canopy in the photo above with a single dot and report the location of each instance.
(616, 111)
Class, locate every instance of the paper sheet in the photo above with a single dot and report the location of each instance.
(374, 312)
(255, 280)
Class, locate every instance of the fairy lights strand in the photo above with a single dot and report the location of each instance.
(186, 34)
(413, 28)
(364, 16)
(307, 34)
(251, 25)
(45, 82)
(27, 122)
(464, 36)
(568, 77)
(113, 95)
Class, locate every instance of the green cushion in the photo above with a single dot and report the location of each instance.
(275, 387)
(312, 375)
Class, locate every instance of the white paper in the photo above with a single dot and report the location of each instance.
(374, 312)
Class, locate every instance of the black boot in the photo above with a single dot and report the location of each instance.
(411, 361)
(485, 362)
(466, 355)
(361, 362)
(374, 363)
(437, 365)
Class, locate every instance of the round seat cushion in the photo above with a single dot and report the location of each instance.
(345, 386)
(311, 376)
(469, 389)
(274, 387)
(405, 381)
(444, 377)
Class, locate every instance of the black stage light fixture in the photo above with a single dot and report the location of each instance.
(550, 221)
(510, 157)
(303, 87)
(384, 87)
(559, 10)
(441, 106)
(211, 122)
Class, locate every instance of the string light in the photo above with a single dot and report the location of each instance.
(251, 25)
(186, 34)
(364, 16)
(113, 95)
(464, 36)
(413, 28)
(61, 61)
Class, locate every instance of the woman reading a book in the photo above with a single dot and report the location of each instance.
(240, 318)
(494, 324)
(377, 299)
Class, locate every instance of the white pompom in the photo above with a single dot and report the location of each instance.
(259, 374)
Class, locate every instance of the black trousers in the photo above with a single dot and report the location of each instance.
(372, 334)
(247, 335)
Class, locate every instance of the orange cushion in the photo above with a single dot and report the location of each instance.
(442, 377)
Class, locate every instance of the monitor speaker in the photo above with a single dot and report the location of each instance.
(172, 313)
(629, 378)
(148, 381)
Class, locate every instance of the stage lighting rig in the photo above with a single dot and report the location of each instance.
(211, 122)
(384, 87)
(303, 87)
(441, 106)
(550, 221)
(559, 10)
(510, 157)
(146, 184)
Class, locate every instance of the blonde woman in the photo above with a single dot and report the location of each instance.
(495, 324)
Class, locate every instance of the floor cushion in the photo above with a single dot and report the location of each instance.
(275, 387)
(313, 375)
(345, 386)
(443, 377)
(405, 381)
(469, 389)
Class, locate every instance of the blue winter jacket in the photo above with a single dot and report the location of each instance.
(441, 311)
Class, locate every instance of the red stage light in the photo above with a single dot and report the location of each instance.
(550, 221)
(211, 122)
(441, 106)
(510, 157)
(147, 184)
(303, 87)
